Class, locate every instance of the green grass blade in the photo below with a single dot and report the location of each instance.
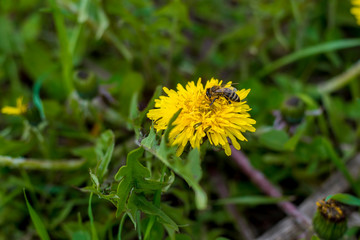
(340, 165)
(345, 198)
(251, 200)
(36, 96)
(39, 225)
(341, 80)
(104, 150)
(138, 224)
(65, 53)
(94, 235)
(306, 52)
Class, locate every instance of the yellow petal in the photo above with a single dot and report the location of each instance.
(227, 149)
(180, 150)
(233, 141)
(18, 110)
(11, 110)
(243, 93)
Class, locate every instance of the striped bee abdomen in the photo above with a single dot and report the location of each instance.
(231, 95)
(215, 92)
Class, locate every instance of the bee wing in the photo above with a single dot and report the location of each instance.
(226, 85)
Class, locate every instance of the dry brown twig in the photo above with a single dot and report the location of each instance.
(298, 221)
(265, 185)
(221, 188)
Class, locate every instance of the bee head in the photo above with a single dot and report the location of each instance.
(208, 93)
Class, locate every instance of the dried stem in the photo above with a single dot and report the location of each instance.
(223, 191)
(340, 80)
(264, 184)
(39, 164)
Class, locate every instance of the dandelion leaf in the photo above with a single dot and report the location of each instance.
(193, 166)
(132, 177)
(150, 140)
(94, 180)
(190, 171)
(164, 150)
(274, 139)
(139, 202)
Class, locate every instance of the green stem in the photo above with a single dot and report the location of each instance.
(138, 224)
(121, 226)
(157, 198)
(39, 164)
(340, 80)
(94, 235)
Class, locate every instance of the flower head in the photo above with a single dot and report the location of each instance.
(200, 118)
(18, 110)
(329, 221)
(356, 10)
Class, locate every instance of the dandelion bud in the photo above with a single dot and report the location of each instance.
(86, 84)
(293, 110)
(329, 220)
(33, 115)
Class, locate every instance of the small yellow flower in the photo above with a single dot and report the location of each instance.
(18, 110)
(198, 119)
(356, 10)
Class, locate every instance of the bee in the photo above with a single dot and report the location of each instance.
(222, 91)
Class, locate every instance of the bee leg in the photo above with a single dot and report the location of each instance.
(228, 100)
(213, 101)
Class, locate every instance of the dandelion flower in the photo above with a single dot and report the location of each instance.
(356, 10)
(18, 110)
(219, 122)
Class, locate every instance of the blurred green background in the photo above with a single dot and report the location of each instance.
(281, 49)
